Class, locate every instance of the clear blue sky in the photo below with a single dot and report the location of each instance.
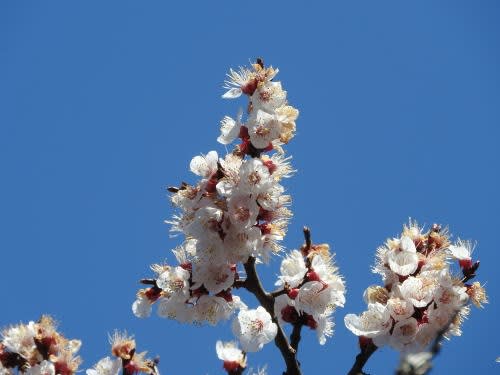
(103, 103)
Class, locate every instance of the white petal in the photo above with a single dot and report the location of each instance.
(403, 263)
(199, 166)
(212, 159)
(407, 244)
(141, 308)
(233, 93)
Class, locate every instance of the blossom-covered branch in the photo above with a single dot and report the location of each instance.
(234, 218)
(37, 348)
(421, 298)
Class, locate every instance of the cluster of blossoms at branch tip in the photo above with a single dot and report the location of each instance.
(421, 298)
(236, 210)
(313, 289)
(37, 348)
(127, 360)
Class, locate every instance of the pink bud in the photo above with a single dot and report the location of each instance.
(231, 366)
(312, 276)
(249, 87)
(292, 293)
(465, 263)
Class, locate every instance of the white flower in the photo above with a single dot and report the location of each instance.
(239, 245)
(374, 322)
(210, 250)
(186, 199)
(418, 290)
(272, 198)
(404, 261)
(175, 309)
(213, 309)
(254, 328)
(232, 356)
(426, 334)
(263, 128)
(204, 166)
(245, 81)
(462, 250)
(242, 210)
(403, 333)
(269, 97)
(216, 277)
(186, 252)
(236, 80)
(293, 268)
(229, 129)
(327, 271)
(44, 368)
(254, 177)
(141, 307)
(206, 223)
(400, 309)
(106, 366)
(231, 165)
(175, 282)
(316, 298)
(20, 338)
(452, 297)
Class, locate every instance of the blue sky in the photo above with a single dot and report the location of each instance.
(103, 104)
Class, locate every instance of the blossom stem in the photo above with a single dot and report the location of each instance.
(366, 351)
(253, 284)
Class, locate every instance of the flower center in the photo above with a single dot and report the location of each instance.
(257, 326)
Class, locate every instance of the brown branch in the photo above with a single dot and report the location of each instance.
(367, 349)
(253, 284)
(295, 336)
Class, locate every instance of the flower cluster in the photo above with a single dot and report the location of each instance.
(236, 210)
(37, 348)
(313, 289)
(123, 348)
(421, 298)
